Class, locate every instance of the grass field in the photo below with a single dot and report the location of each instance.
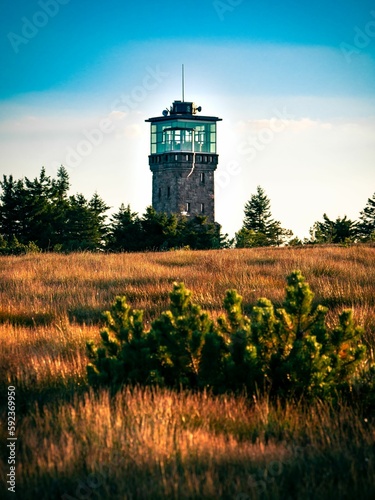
(154, 443)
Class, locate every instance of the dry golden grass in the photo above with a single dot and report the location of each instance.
(43, 289)
(52, 284)
(161, 444)
(152, 443)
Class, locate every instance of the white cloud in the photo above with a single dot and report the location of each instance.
(133, 130)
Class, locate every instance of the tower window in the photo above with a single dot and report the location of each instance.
(169, 192)
(202, 208)
(199, 158)
(202, 177)
(205, 159)
(187, 157)
(176, 157)
(188, 207)
(159, 194)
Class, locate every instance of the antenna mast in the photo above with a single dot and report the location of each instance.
(183, 83)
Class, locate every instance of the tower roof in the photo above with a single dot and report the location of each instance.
(183, 109)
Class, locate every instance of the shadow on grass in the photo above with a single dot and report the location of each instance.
(310, 475)
(24, 319)
(85, 315)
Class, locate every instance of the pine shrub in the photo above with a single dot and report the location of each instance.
(288, 351)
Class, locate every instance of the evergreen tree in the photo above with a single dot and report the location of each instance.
(248, 238)
(125, 355)
(98, 208)
(287, 351)
(159, 229)
(60, 188)
(258, 213)
(180, 334)
(34, 210)
(12, 208)
(85, 223)
(366, 223)
(125, 232)
(200, 234)
(330, 231)
(259, 229)
(39, 211)
(61, 185)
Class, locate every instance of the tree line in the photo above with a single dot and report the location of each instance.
(40, 215)
(260, 229)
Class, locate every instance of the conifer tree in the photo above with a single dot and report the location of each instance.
(159, 228)
(12, 211)
(39, 211)
(333, 231)
(125, 231)
(259, 229)
(288, 351)
(60, 188)
(85, 228)
(124, 355)
(180, 334)
(366, 223)
(34, 210)
(200, 234)
(258, 213)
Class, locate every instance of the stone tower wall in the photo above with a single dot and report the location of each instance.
(176, 182)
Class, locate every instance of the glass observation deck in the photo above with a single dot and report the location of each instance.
(180, 129)
(183, 135)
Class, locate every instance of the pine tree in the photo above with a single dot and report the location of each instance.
(200, 234)
(258, 213)
(98, 209)
(287, 351)
(180, 333)
(39, 211)
(125, 231)
(333, 231)
(12, 213)
(366, 223)
(34, 210)
(124, 355)
(60, 188)
(85, 224)
(259, 229)
(160, 230)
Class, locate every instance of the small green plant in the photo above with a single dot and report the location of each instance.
(180, 335)
(288, 351)
(14, 247)
(124, 355)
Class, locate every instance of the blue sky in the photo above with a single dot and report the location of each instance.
(293, 81)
